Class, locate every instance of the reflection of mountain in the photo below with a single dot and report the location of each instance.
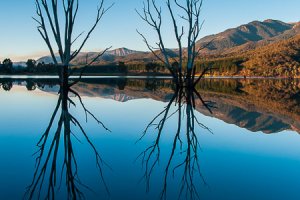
(269, 106)
(112, 90)
(246, 115)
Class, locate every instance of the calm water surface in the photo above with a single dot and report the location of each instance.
(244, 144)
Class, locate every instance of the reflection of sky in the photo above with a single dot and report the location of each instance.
(236, 163)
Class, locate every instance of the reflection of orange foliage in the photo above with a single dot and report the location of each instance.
(277, 98)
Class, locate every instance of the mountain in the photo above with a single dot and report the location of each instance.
(19, 64)
(252, 32)
(48, 59)
(112, 56)
(121, 55)
(122, 52)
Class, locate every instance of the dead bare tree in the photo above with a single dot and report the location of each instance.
(48, 17)
(184, 69)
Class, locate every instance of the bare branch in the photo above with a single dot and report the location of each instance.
(101, 11)
(50, 8)
(152, 15)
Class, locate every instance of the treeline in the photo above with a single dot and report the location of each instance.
(122, 68)
(30, 84)
(120, 83)
(221, 67)
(7, 67)
(34, 67)
(150, 67)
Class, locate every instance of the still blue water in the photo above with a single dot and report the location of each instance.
(234, 162)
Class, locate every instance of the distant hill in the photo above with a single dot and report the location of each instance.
(122, 52)
(19, 64)
(112, 56)
(47, 59)
(248, 33)
(119, 55)
(281, 58)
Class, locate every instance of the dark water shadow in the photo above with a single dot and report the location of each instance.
(185, 144)
(6, 84)
(58, 142)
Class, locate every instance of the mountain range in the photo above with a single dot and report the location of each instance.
(255, 38)
(246, 35)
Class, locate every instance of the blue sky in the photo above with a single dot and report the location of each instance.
(19, 38)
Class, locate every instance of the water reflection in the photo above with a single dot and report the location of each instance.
(6, 84)
(185, 143)
(267, 105)
(51, 170)
(232, 160)
(263, 106)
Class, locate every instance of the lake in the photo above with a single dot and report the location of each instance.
(124, 138)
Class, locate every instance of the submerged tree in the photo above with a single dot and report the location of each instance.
(61, 38)
(183, 68)
(63, 33)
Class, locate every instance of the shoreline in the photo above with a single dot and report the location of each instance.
(133, 77)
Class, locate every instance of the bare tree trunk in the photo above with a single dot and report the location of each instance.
(48, 16)
(152, 15)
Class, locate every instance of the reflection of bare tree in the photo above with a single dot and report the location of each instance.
(185, 142)
(46, 177)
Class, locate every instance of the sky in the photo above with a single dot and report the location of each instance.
(20, 40)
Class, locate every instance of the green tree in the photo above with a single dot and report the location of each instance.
(7, 65)
(31, 65)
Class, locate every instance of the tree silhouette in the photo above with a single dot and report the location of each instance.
(48, 16)
(184, 71)
(7, 65)
(31, 65)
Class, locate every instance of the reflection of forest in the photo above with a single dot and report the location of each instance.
(259, 105)
(266, 105)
